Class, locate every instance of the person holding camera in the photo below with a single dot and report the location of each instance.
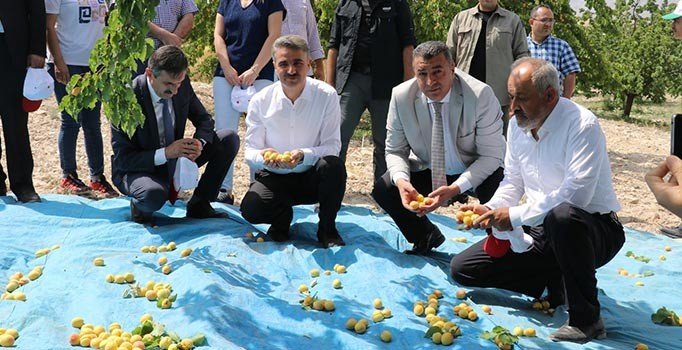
(669, 193)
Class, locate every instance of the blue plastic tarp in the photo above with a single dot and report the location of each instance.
(244, 294)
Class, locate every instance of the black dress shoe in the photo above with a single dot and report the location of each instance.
(432, 240)
(330, 239)
(225, 197)
(29, 197)
(278, 235)
(139, 216)
(203, 210)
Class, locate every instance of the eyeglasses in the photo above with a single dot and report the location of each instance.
(545, 20)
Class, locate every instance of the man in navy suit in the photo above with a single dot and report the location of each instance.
(143, 164)
(22, 44)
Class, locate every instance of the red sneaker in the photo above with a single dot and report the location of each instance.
(103, 188)
(72, 185)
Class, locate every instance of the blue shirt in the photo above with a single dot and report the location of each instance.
(246, 30)
(557, 52)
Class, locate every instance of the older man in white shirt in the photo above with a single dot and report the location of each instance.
(567, 226)
(299, 115)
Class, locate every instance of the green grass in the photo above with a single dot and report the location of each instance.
(643, 113)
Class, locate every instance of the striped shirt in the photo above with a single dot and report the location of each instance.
(169, 13)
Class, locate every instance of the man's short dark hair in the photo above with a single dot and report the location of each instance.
(430, 49)
(535, 9)
(168, 58)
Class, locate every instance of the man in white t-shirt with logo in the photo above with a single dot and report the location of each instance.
(73, 28)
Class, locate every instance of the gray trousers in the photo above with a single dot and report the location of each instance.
(355, 98)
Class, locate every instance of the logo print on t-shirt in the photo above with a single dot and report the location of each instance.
(84, 14)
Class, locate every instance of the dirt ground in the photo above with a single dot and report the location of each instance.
(632, 150)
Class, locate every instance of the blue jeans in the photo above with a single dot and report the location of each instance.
(89, 119)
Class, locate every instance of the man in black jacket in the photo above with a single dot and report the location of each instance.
(143, 164)
(370, 52)
(22, 44)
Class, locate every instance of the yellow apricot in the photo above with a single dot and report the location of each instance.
(6, 340)
(77, 322)
(447, 338)
(418, 310)
(350, 323)
(360, 328)
(436, 337)
(385, 336)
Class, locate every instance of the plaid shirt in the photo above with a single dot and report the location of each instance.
(558, 52)
(169, 13)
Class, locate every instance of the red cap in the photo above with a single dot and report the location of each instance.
(30, 105)
(496, 247)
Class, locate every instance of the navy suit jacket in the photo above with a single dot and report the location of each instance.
(136, 154)
(24, 24)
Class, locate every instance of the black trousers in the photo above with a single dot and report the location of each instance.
(415, 228)
(149, 191)
(14, 125)
(271, 196)
(569, 247)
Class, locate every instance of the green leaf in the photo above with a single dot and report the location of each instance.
(487, 335)
(174, 336)
(432, 330)
(198, 339)
(147, 327)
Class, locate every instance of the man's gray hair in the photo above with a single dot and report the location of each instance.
(544, 73)
(430, 49)
(293, 42)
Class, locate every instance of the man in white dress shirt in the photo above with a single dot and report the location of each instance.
(567, 226)
(440, 153)
(299, 115)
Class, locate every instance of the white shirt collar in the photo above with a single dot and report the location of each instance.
(445, 100)
(152, 93)
(306, 94)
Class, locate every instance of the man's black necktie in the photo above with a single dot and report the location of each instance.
(168, 134)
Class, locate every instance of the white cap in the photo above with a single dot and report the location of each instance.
(186, 176)
(38, 84)
(675, 14)
(241, 97)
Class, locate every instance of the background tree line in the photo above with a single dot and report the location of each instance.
(626, 50)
